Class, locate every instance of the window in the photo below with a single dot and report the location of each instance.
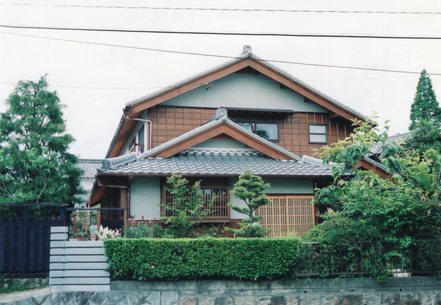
(269, 131)
(138, 142)
(217, 195)
(318, 134)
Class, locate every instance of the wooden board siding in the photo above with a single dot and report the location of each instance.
(170, 122)
(294, 134)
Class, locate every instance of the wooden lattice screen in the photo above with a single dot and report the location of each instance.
(216, 195)
(288, 215)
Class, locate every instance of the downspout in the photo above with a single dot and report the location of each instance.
(150, 131)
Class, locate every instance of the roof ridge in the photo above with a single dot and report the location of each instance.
(117, 161)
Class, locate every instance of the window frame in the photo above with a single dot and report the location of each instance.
(262, 122)
(316, 133)
(134, 145)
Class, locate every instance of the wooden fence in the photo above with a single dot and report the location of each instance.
(25, 237)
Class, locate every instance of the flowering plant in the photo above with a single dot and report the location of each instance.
(106, 233)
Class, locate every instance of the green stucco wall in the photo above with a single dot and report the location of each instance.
(145, 197)
(244, 90)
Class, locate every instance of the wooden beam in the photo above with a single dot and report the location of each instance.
(368, 166)
(122, 136)
(97, 195)
(333, 116)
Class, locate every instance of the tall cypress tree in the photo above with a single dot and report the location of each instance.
(34, 163)
(425, 106)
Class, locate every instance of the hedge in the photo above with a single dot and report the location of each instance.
(208, 258)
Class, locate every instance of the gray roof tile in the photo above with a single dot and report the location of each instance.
(89, 167)
(200, 162)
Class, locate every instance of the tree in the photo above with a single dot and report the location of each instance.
(425, 106)
(249, 188)
(186, 208)
(401, 210)
(426, 135)
(34, 163)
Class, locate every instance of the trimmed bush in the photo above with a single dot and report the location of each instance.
(204, 258)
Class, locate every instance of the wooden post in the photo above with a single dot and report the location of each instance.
(124, 204)
(98, 218)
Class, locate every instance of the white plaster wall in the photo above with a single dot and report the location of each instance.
(245, 90)
(278, 186)
(145, 198)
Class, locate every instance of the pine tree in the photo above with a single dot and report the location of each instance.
(425, 106)
(34, 163)
(250, 188)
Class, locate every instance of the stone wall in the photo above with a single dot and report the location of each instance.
(399, 291)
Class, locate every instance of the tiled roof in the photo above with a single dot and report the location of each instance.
(399, 137)
(220, 162)
(89, 167)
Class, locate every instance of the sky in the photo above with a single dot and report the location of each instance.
(94, 82)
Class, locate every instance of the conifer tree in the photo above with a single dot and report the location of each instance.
(34, 163)
(250, 188)
(425, 106)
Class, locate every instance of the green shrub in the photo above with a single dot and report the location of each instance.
(142, 229)
(346, 246)
(204, 258)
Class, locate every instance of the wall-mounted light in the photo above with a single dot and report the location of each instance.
(208, 86)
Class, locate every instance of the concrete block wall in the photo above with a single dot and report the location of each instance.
(77, 265)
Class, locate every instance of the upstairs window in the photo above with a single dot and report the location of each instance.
(138, 142)
(318, 134)
(269, 131)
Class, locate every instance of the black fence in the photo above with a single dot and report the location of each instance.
(25, 237)
(372, 259)
(25, 232)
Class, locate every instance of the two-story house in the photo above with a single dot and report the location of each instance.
(243, 115)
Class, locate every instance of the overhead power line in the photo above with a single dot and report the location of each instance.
(176, 32)
(220, 9)
(215, 55)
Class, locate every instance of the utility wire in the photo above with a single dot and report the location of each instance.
(175, 32)
(219, 9)
(216, 55)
